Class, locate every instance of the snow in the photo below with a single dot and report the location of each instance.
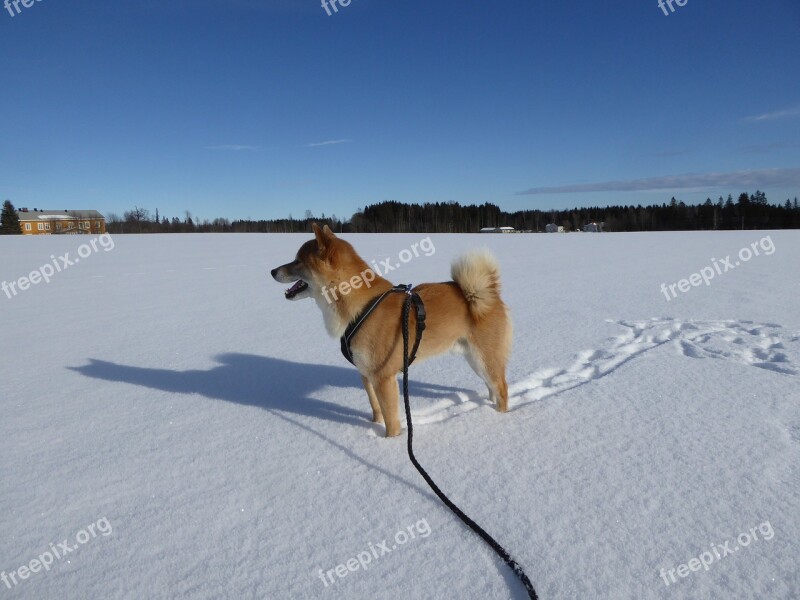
(166, 386)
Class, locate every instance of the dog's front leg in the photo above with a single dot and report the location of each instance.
(387, 392)
(377, 415)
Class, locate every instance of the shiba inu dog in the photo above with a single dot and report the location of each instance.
(466, 316)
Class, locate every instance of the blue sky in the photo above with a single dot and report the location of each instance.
(262, 108)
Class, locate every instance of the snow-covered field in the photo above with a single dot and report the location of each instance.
(211, 434)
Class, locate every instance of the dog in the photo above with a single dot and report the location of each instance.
(465, 316)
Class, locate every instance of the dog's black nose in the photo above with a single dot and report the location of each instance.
(273, 272)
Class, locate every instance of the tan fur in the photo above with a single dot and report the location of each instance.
(466, 315)
(478, 276)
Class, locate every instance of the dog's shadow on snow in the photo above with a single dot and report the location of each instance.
(262, 381)
(281, 387)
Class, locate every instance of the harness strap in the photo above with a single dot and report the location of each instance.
(419, 306)
(356, 324)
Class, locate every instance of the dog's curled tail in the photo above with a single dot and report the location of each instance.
(478, 276)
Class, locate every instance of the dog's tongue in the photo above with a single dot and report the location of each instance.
(298, 285)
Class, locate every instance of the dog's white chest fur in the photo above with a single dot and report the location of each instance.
(334, 323)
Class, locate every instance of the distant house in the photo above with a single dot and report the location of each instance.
(594, 227)
(497, 230)
(46, 222)
(553, 228)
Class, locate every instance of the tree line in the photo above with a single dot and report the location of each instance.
(748, 211)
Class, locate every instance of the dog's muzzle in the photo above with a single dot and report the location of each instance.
(298, 288)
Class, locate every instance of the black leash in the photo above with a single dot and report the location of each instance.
(411, 297)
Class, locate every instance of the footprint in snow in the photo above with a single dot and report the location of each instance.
(758, 345)
(744, 342)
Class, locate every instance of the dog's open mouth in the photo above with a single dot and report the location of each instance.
(298, 287)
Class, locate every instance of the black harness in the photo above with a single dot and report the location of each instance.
(353, 328)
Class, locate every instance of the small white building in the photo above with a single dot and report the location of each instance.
(553, 228)
(497, 230)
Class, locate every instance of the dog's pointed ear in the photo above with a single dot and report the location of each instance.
(322, 238)
(328, 231)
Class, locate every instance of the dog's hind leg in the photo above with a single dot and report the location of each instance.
(377, 415)
(491, 367)
(496, 370)
(388, 394)
(476, 363)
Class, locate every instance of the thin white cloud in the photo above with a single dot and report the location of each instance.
(784, 113)
(329, 143)
(765, 148)
(737, 179)
(234, 147)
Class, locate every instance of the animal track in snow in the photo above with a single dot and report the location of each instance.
(761, 345)
(745, 342)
